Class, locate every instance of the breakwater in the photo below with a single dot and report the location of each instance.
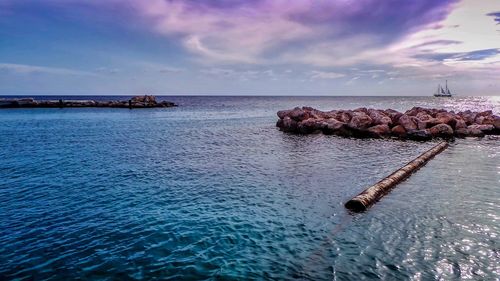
(146, 101)
(417, 123)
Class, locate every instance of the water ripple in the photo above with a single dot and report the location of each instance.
(211, 190)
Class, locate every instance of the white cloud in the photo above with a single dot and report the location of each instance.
(325, 75)
(167, 69)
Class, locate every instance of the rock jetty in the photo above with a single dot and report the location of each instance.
(135, 102)
(417, 123)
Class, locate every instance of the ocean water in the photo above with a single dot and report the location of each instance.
(211, 190)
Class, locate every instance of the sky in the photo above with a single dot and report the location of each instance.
(249, 47)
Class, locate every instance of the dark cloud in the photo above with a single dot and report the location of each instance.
(496, 16)
(465, 56)
(438, 43)
(388, 20)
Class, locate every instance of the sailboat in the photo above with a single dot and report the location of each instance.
(443, 92)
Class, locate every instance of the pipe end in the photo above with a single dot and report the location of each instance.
(355, 205)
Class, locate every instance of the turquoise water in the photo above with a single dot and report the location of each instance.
(212, 190)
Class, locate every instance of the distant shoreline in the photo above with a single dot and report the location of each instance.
(134, 102)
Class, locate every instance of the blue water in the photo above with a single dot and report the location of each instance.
(212, 190)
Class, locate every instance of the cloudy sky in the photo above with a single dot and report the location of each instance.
(249, 47)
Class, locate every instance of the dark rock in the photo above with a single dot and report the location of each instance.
(279, 123)
(399, 131)
(282, 113)
(288, 124)
(308, 126)
(420, 135)
(462, 132)
(298, 114)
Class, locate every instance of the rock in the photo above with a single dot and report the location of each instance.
(283, 113)
(414, 111)
(379, 131)
(379, 117)
(479, 120)
(446, 118)
(420, 135)
(485, 113)
(361, 109)
(418, 123)
(460, 124)
(393, 114)
(298, 114)
(331, 114)
(318, 114)
(407, 123)
(423, 116)
(143, 99)
(164, 104)
(360, 121)
(442, 131)
(487, 129)
(390, 111)
(422, 125)
(474, 131)
(333, 126)
(344, 116)
(147, 101)
(398, 131)
(462, 132)
(468, 117)
(492, 120)
(279, 123)
(288, 124)
(308, 126)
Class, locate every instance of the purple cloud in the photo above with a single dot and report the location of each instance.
(257, 31)
(260, 30)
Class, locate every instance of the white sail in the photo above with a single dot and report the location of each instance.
(443, 91)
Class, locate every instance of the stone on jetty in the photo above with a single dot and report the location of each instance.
(417, 123)
(135, 102)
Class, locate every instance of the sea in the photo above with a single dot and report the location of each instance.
(212, 190)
